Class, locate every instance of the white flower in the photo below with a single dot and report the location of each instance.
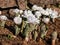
(54, 14)
(40, 8)
(42, 11)
(18, 20)
(3, 17)
(37, 21)
(49, 10)
(34, 7)
(46, 20)
(21, 11)
(46, 13)
(37, 14)
(16, 10)
(27, 13)
(32, 19)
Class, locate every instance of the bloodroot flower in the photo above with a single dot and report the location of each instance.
(27, 13)
(49, 10)
(46, 20)
(54, 15)
(38, 14)
(2, 17)
(32, 19)
(21, 11)
(18, 20)
(34, 7)
(16, 10)
(3, 20)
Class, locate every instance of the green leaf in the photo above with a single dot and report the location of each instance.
(25, 32)
(35, 35)
(43, 30)
(17, 30)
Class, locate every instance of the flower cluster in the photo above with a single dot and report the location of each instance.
(38, 12)
(3, 17)
(30, 17)
(33, 18)
(47, 12)
(29, 20)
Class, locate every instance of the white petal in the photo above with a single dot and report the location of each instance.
(46, 20)
(54, 14)
(16, 10)
(37, 14)
(49, 10)
(42, 12)
(21, 11)
(32, 19)
(40, 8)
(46, 13)
(25, 12)
(29, 11)
(2, 17)
(34, 7)
(17, 20)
